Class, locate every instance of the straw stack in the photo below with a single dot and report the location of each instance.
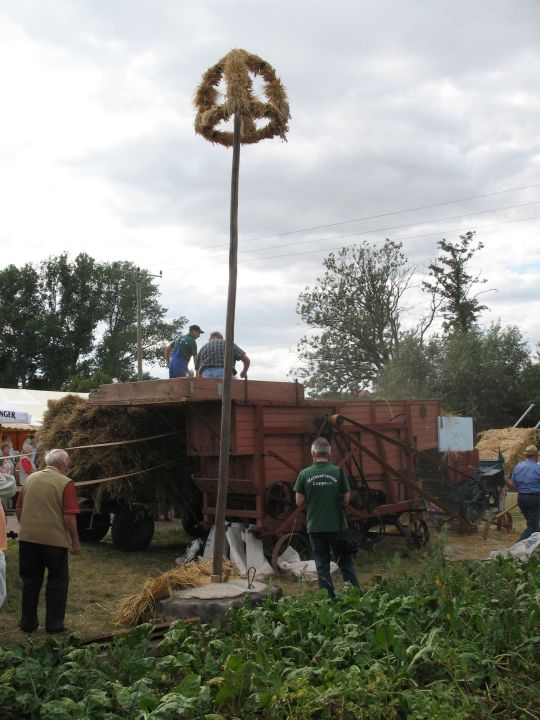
(72, 422)
(141, 607)
(510, 441)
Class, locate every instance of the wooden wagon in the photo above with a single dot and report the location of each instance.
(272, 428)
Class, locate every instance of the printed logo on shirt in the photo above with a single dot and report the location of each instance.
(322, 480)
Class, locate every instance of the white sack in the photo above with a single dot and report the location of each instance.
(289, 561)
(209, 547)
(236, 545)
(255, 556)
(191, 552)
(522, 550)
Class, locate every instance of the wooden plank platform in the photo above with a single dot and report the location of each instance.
(192, 389)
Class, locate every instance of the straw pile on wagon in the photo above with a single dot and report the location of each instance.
(510, 441)
(71, 422)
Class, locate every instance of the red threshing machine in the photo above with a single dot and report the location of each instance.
(378, 444)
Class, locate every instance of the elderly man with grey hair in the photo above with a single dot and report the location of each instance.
(324, 491)
(47, 510)
(211, 357)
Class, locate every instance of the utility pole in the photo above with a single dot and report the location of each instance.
(140, 276)
(223, 477)
(235, 70)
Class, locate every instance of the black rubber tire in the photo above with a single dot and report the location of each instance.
(92, 527)
(132, 529)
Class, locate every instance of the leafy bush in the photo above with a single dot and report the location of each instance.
(462, 641)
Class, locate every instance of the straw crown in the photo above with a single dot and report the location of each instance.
(235, 69)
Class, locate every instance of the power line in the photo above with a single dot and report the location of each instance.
(379, 215)
(367, 232)
(410, 237)
(385, 229)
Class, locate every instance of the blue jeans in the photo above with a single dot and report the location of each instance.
(215, 372)
(530, 507)
(178, 367)
(321, 544)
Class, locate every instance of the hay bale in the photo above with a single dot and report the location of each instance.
(510, 441)
(71, 422)
(141, 607)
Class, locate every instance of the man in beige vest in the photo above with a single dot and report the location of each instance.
(47, 510)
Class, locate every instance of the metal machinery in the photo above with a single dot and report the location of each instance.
(381, 446)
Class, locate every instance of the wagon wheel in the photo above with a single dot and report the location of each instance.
(505, 522)
(418, 534)
(372, 531)
(472, 501)
(298, 541)
(279, 500)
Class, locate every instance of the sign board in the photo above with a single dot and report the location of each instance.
(455, 433)
(10, 415)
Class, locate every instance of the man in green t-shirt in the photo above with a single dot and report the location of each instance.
(324, 490)
(180, 351)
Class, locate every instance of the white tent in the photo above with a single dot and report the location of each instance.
(30, 404)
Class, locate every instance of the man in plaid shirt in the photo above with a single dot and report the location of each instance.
(211, 357)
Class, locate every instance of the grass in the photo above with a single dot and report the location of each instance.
(102, 575)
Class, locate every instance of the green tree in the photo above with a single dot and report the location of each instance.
(452, 283)
(116, 352)
(72, 307)
(483, 373)
(410, 372)
(21, 317)
(52, 313)
(355, 310)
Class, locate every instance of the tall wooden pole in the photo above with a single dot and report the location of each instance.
(138, 285)
(221, 502)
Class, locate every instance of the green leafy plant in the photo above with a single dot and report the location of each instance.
(460, 641)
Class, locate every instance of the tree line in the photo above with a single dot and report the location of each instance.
(360, 340)
(73, 324)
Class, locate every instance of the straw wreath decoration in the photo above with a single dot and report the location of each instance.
(236, 69)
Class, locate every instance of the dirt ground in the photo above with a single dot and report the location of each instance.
(102, 575)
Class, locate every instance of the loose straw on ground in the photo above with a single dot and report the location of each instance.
(141, 607)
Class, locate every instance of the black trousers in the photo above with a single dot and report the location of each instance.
(34, 559)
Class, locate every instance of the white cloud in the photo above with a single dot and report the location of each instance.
(393, 106)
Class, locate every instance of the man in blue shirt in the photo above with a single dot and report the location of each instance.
(526, 480)
(180, 351)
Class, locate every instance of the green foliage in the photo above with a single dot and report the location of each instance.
(410, 372)
(22, 336)
(483, 373)
(70, 310)
(356, 308)
(452, 283)
(116, 352)
(53, 313)
(85, 382)
(460, 642)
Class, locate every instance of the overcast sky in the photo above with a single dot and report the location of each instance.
(395, 105)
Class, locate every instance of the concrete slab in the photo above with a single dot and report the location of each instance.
(214, 600)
